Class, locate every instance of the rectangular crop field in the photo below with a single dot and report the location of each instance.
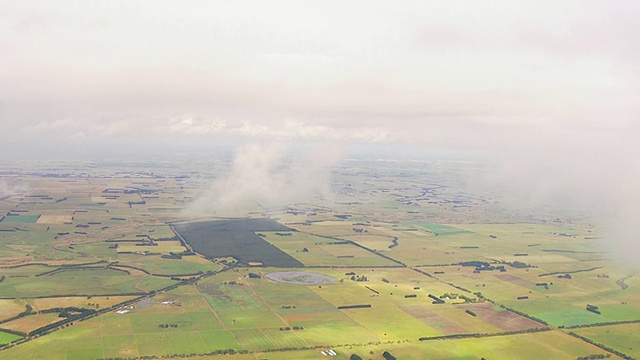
(237, 238)
(6, 338)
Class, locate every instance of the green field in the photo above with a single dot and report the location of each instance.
(6, 338)
(418, 269)
(314, 251)
(623, 337)
(438, 229)
(80, 282)
(20, 219)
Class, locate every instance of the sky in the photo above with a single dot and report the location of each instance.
(456, 74)
(551, 88)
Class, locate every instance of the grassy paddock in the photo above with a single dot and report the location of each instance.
(623, 337)
(6, 338)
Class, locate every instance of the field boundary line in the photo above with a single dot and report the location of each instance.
(224, 327)
(601, 346)
(278, 315)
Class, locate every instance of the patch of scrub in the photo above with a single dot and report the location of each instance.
(145, 303)
(300, 278)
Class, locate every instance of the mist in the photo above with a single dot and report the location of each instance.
(11, 190)
(264, 176)
(585, 172)
(548, 91)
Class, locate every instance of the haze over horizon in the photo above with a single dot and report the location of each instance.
(550, 86)
(443, 74)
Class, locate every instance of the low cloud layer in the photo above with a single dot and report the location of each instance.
(552, 84)
(10, 190)
(594, 173)
(419, 72)
(266, 176)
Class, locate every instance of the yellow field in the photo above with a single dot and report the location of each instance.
(31, 322)
(77, 301)
(163, 247)
(55, 219)
(10, 307)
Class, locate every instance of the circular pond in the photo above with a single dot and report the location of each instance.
(300, 277)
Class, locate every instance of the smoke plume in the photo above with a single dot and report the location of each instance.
(595, 173)
(267, 176)
(9, 190)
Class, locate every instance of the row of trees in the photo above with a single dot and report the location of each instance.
(482, 335)
(601, 346)
(287, 328)
(363, 306)
(233, 352)
(594, 356)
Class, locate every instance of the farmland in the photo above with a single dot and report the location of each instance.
(107, 261)
(238, 239)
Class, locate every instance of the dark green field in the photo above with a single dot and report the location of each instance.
(20, 219)
(408, 266)
(237, 239)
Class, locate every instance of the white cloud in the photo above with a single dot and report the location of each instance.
(517, 76)
(189, 125)
(266, 176)
(438, 73)
(8, 190)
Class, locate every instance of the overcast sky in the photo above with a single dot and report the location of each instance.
(553, 87)
(441, 73)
